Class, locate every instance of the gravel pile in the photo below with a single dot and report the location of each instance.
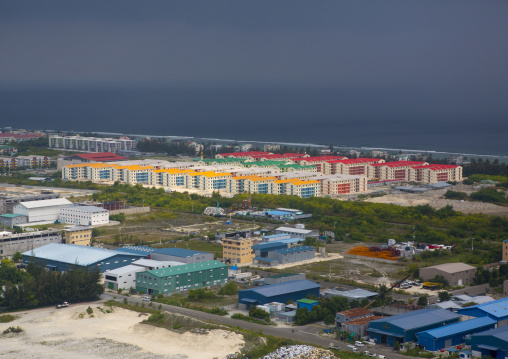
(300, 352)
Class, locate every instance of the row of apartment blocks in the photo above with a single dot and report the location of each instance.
(91, 144)
(24, 162)
(229, 179)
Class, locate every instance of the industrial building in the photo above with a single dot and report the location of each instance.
(9, 220)
(7, 201)
(181, 278)
(284, 277)
(357, 294)
(125, 277)
(297, 232)
(84, 215)
(61, 257)
(286, 255)
(80, 235)
(11, 243)
(281, 292)
(454, 334)
(142, 250)
(457, 274)
(359, 326)
(496, 309)
(306, 303)
(180, 255)
(47, 210)
(352, 314)
(491, 343)
(237, 250)
(404, 327)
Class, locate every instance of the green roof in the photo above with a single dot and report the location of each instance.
(10, 215)
(224, 160)
(283, 275)
(297, 166)
(266, 163)
(307, 301)
(187, 268)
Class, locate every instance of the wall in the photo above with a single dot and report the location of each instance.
(26, 241)
(130, 210)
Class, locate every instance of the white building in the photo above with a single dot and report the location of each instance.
(44, 210)
(297, 232)
(91, 144)
(125, 277)
(84, 215)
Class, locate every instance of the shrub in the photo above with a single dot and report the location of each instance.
(89, 310)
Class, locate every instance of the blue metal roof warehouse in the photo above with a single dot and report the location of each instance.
(137, 250)
(280, 292)
(497, 309)
(60, 257)
(450, 335)
(492, 343)
(404, 327)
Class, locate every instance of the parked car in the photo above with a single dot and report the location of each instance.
(359, 343)
(147, 298)
(333, 346)
(369, 354)
(381, 356)
(63, 305)
(355, 350)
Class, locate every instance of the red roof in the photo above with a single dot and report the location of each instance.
(355, 312)
(356, 160)
(437, 167)
(102, 156)
(245, 154)
(320, 158)
(294, 155)
(400, 163)
(15, 135)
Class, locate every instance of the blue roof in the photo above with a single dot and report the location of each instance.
(501, 333)
(71, 253)
(419, 318)
(289, 240)
(461, 327)
(178, 252)
(137, 250)
(275, 235)
(276, 244)
(279, 213)
(283, 288)
(496, 308)
(357, 293)
(294, 249)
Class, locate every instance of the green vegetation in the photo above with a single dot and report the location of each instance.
(444, 296)
(325, 310)
(245, 318)
(455, 195)
(494, 277)
(483, 177)
(201, 299)
(38, 287)
(16, 330)
(230, 288)
(490, 195)
(6, 318)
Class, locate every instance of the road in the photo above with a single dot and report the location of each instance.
(306, 334)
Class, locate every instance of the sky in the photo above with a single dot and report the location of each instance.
(418, 44)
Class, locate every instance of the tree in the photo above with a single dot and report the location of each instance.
(422, 301)
(329, 319)
(230, 288)
(396, 346)
(17, 257)
(444, 296)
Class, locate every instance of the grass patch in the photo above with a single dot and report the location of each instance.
(245, 318)
(210, 304)
(6, 318)
(178, 323)
(135, 308)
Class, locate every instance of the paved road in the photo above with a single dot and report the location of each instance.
(305, 334)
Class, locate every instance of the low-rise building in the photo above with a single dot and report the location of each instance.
(359, 326)
(457, 274)
(80, 235)
(492, 343)
(284, 277)
(20, 242)
(10, 220)
(352, 314)
(237, 250)
(182, 278)
(287, 255)
(84, 215)
(297, 232)
(47, 210)
(180, 255)
(281, 292)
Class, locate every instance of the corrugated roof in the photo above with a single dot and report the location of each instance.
(46, 203)
(497, 308)
(419, 318)
(71, 253)
(145, 251)
(501, 333)
(188, 268)
(267, 245)
(365, 320)
(11, 215)
(178, 252)
(357, 293)
(294, 249)
(283, 288)
(294, 230)
(452, 267)
(355, 312)
(90, 209)
(153, 263)
(127, 269)
(462, 327)
(307, 301)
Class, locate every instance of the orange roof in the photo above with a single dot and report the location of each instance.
(209, 174)
(297, 181)
(173, 171)
(94, 165)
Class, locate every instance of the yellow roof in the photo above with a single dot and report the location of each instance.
(174, 171)
(297, 181)
(94, 165)
(210, 174)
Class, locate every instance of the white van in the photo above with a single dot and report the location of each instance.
(359, 344)
(147, 298)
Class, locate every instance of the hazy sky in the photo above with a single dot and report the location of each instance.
(414, 44)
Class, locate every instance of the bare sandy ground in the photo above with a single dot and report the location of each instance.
(61, 333)
(328, 257)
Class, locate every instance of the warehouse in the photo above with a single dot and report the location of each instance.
(61, 257)
(182, 278)
(47, 210)
(497, 310)
(10, 243)
(451, 335)
(284, 277)
(262, 249)
(281, 292)
(84, 215)
(353, 294)
(180, 255)
(297, 232)
(404, 327)
(456, 274)
(286, 255)
(491, 343)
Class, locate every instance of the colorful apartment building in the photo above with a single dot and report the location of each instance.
(333, 185)
(237, 250)
(399, 170)
(353, 166)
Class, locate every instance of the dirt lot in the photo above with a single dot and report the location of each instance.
(435, 198)
(64, 333)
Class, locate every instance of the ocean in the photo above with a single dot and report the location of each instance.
(359, 117)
